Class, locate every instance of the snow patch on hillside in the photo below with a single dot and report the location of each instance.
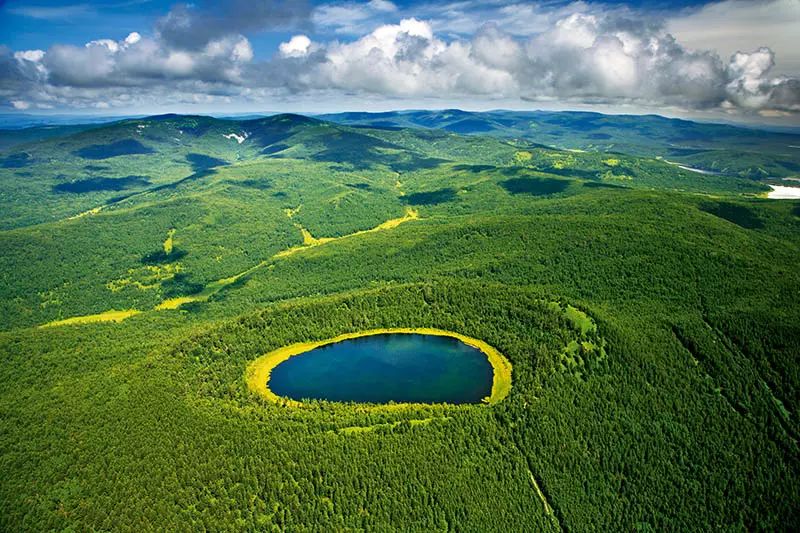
(779, 192)
(239, 138)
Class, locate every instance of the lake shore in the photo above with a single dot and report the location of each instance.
(258, 372)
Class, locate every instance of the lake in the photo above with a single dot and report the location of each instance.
(399, 367)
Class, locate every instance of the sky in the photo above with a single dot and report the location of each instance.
(732, 60)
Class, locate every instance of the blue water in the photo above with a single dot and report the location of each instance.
(398, 367)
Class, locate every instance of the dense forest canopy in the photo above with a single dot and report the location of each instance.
(649, 312)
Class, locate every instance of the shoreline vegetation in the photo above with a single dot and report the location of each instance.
(258, 372)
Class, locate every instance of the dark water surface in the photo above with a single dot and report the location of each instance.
(398, 367)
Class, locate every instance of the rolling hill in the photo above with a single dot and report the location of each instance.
(745, 152)
(649, 313)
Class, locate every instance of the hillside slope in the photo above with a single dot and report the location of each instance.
(649, 313)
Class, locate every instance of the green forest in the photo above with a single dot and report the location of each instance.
(649, 312)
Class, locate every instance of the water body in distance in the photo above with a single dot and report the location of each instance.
(397, 367)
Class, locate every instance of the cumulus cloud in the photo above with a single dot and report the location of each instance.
(582, 57)
(406, 59)
(618, 59)
(297, 46)
(133, 38)
(750, 86)
(137, 61)
(29, 55)
(577, 54)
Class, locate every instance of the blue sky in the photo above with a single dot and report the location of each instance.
(735, 59)
(26, 25)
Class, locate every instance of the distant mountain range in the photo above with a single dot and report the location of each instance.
(725, 149)
(746, 152)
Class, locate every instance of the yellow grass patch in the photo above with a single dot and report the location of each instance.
(611, 162)
(108, 316)
(174, 303)
(547, 509)
(90, 212)
(258, 372)
(309, 241)
(610, 176)
(523, 156)
(289, 251)
(215, 286)
(411, 214)
(292, 212)
(168, 243)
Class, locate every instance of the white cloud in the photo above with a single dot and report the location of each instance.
(577, 54)
(575, 31)
(581, 57)
(751, 87)
(133, 38)
(242, 51)
(20, 104)
(497, 49)
(141, 62)
(748, 70)
(112, 46)
(179, 64)
(237, 49)
(406, 59)
(297, 46)
(30, 55)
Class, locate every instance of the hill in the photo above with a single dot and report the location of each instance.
(649, 313)
(745, 152)
(115, 164)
